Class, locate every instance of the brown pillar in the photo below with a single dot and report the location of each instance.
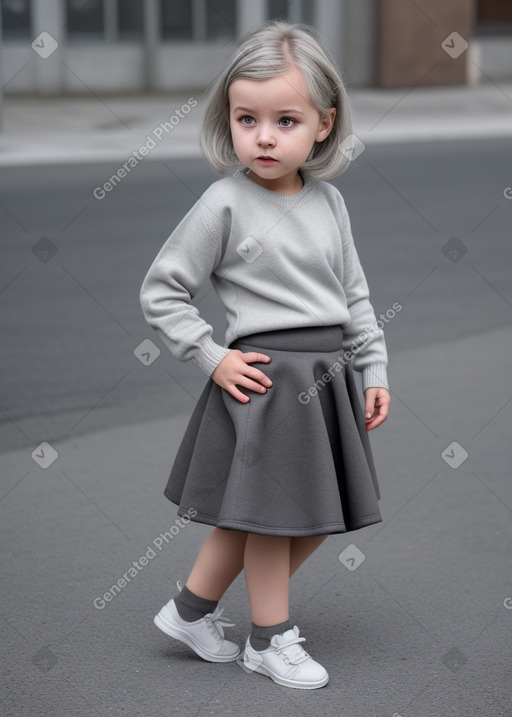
(423, 43)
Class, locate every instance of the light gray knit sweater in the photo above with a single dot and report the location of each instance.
(276, 261)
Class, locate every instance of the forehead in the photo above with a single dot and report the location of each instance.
(286, 89)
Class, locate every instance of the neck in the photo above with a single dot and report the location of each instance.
(284, 185)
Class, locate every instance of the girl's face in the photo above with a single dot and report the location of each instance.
(274, 126)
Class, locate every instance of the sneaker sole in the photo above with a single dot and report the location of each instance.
(290, 683)
(267, 672)
(182, 636)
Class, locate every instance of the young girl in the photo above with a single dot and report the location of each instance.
(282, 464)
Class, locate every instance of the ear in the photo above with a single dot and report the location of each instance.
(326, 125)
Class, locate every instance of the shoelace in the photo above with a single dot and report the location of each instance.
(216, 623)
(291, 651)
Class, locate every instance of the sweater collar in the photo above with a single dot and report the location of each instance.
(242, 174)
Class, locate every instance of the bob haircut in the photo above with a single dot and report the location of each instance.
(268, 51)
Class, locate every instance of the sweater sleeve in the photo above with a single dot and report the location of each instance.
(362, 337)
(181, 267)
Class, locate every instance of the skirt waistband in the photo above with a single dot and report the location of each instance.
(304, 338)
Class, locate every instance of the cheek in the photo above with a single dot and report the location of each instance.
(301, 139)
(236, 135)
(242, 140)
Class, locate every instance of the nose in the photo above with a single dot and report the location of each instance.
(266, 136)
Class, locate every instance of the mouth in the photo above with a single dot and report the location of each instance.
(266, 159)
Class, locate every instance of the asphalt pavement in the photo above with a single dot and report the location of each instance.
(420, 624)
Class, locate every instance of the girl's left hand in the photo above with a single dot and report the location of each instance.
(377, 406)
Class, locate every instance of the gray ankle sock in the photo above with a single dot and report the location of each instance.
(191, 607)
(260, 636)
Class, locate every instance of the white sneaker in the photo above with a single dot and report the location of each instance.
(286, 662)
(204, 636)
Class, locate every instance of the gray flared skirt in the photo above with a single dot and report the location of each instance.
(293, 461)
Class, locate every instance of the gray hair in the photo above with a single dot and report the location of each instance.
(264, 53)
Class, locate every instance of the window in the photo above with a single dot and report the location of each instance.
(85, 17)
(198, 19)
(107, 20)
(130, 17)
(16, 19)
(308, 11)
(291, 10)
(176, 20)
(221, 19)
(278, 9)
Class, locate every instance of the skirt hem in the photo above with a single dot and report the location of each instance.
(246, 527)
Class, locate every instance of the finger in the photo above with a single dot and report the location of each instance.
(233, 390)
(246, 382)
(369, 409)
(252, 371)
(372, 424)
(255, 356)
(376, 421)
(257, 375)
(384, 411)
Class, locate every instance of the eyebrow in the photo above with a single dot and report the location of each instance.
(279, 112)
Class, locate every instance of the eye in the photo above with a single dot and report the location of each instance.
(246, 120)
(287, 122)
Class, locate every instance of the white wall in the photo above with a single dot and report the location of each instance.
(111, 68)
(184, 65)
(494, 57)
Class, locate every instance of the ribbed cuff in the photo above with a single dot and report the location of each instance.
(375, 376)
(190, 599)
(270, 630)
(210, 355)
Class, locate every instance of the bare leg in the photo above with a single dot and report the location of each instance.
(221, 559)
(301, 548)
(218, 563)
(267, 574)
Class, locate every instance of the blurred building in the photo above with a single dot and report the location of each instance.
(165, 45)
